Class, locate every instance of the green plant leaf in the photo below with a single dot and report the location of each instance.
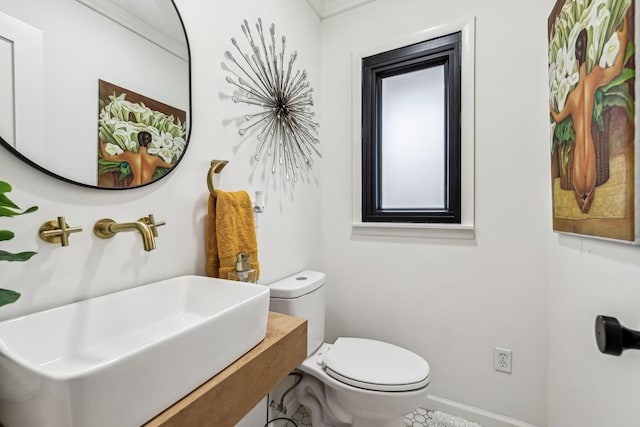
(597, 109)
(8, 297)
(564, 130)
(9, 209)
(6, 235)
(20, 257)
(7, 212)
(619, 96)
(106, 166)
(29, 210)
(159, 172)
(125, 169)
(6, 201)
(11, 213)
(558, 131)
(629, 51)
(5, 187)
(625, 74)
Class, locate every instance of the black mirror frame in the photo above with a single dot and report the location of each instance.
(31, 163)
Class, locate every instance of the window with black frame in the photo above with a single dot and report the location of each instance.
(411, 135)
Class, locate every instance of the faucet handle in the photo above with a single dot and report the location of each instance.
(153, 225)
(57, 231)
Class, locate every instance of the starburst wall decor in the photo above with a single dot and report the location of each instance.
(285, 127)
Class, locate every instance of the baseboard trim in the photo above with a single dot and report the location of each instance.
(480, 416)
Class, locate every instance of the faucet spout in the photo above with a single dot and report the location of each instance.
(148, 241)
(107, 228)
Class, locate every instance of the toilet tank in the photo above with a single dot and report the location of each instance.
(302, 295)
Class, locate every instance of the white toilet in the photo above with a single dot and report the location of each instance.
(355, 381)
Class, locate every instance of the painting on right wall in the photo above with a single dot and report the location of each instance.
(592, 110)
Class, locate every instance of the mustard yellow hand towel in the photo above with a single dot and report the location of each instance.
(230, 230)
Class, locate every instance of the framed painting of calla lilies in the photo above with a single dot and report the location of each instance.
(592, 76)
(139, 139)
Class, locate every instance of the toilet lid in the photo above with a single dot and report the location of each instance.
(375, 365)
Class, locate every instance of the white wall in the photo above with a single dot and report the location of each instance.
(587, 388)
(590, 277)
(288, 235)
(452, 301)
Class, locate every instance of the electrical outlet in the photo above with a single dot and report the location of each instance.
(502, 359)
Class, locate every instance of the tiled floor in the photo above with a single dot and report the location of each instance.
(423, 418)
(418, 418)
(302, 417)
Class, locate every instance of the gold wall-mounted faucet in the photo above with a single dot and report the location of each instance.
(57, 231)
(147, 226)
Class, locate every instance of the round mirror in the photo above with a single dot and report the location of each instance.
(95, 92)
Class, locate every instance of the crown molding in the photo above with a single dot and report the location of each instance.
(327, 8)
(317, 5)
(124, 17)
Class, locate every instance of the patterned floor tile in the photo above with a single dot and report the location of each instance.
(418, 418)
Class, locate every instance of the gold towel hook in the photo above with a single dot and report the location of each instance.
(216, 167)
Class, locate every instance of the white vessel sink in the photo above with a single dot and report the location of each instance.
(120, 359)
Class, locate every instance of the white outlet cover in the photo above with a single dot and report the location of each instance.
(502, 360)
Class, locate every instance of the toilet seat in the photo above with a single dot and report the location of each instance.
(375, 365)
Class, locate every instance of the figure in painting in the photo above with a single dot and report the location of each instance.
(141, 163)
(580, 106)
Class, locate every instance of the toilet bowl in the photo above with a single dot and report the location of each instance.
(355, 382)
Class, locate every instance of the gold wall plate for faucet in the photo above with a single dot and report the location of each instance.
(57, 231)
(50, 226)
(101, 228)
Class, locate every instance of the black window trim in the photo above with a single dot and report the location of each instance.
(445, 50)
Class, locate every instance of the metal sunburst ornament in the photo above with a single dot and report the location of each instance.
(286, 126)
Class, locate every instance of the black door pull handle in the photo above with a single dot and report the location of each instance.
(613, 338)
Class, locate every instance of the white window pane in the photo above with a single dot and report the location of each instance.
(413, 140)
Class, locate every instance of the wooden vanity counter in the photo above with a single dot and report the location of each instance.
(226, 398)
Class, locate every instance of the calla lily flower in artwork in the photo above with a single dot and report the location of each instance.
(112, 149)
(601, 19)
(610, 52)
(120, 133)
